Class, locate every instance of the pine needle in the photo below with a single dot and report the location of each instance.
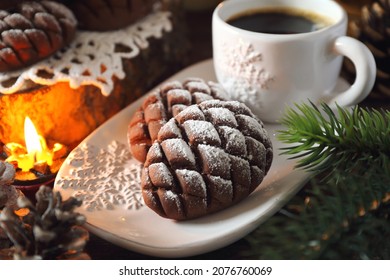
(344, 218)
(325, 140)
(344, 212)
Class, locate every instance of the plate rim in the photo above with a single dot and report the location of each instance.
(193, 248)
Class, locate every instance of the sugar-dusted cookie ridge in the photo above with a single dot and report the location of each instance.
(166, 102)
(205, 159)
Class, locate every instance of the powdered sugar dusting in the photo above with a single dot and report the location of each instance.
(217, 91)
(201, 132)
(170, 85)
(215, 161)
(194, 180)
(154, 153)
(160, 175)
(214, 136)
(234, 141)
(154, 111)
(178, 149)
(170, 130)
(222, 188)
(221, 116)
(191, 113)
(177, 109)
(195, 86)
(16, 19)
(200, 97)
(251, 127)
(173, 197)
(180, 96)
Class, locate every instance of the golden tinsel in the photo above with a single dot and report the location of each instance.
(373, 29)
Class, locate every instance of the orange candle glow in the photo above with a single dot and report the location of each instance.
(36, 151)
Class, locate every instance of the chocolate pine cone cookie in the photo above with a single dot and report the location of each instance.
(166, 102)
(31, 31)
(207, 158)
(105, 15)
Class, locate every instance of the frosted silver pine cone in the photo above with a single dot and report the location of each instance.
(8, 197)
(373, 29)
(51, 230)
(8, 193)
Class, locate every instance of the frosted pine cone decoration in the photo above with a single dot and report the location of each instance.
(31, 31)
(7, 174)
(373, 29)
(207, 158)
(8, 198)
(51, 229)
(8, 193)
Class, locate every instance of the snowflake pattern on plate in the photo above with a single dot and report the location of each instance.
(243, 62)
(104, 178)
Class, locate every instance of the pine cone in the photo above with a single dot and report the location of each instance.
(208, 157)
(373, 29)
(7, 175)
(8, 198)
(105, 15)
(31, 31)
(164, 103)
(51, 230)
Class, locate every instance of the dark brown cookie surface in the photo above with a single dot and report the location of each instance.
(206, 158)
(33, 30)
(167, 101)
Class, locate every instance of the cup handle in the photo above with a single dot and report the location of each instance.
(365, 68)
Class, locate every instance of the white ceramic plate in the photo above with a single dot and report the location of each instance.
(102, 172)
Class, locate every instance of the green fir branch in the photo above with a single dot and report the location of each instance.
(343, 213)
(346, 218)
(323, 140)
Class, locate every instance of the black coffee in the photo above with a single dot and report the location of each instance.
(279, 21)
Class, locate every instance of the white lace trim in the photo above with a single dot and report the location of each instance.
(92, 58)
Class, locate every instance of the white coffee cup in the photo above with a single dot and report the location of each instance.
(271, 71)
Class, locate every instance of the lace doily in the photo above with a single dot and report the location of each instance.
(93, 58)
(104, 178)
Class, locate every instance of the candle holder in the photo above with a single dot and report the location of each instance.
(41, 173)
(30, 187)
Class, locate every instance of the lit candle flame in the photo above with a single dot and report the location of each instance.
(36, 148)
(36, 144)
(36, 154)
(31, 137)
